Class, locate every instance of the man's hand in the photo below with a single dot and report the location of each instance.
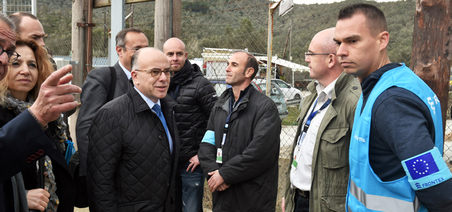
(222, 187)
(194, 162)
(55, 96)
(215, 181)
(37, 199)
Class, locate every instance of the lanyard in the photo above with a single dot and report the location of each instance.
(313, 113)
(226, 125)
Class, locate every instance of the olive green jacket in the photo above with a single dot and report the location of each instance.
(330, 167)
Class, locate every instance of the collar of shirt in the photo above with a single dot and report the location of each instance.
(147, 100)
(127, 72)
(328, 90)
(242, 94)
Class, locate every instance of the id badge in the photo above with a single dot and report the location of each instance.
(297, 151)
(219, 156)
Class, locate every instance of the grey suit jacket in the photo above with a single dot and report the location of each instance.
(94, 94)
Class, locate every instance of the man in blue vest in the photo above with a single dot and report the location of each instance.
(396, 146)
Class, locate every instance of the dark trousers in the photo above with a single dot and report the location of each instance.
(301, 201)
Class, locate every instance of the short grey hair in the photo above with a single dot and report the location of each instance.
(121, 36)
(7, 21)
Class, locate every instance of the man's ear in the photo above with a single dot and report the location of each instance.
(134, 75)
(249, 72)
(331, 60)
(119, 50)
(383, 38)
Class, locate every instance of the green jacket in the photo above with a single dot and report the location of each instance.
(330, 167)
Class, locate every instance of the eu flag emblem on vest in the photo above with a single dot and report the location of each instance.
(421, 166)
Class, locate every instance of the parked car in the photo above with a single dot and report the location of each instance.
(289, 91)
(276, 95)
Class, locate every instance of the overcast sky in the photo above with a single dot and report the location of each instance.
(325, 1)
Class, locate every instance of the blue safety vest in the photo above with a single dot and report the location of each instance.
(366, 192)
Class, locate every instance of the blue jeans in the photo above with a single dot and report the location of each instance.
(189, 188)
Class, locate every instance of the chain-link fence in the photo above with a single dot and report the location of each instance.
(213, 29)
(9, 7)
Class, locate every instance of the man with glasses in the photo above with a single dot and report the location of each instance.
(104, 84)
(133, 143)
(23, 140)
(319, 163)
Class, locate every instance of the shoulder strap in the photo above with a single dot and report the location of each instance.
(112, 87)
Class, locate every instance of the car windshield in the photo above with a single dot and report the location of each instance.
(275, 90)
(282, 84)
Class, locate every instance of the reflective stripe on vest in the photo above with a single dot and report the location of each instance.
(381, 203)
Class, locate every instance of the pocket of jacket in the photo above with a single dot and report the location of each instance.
(334, 202)
(334, 148)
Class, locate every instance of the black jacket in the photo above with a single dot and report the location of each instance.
(195, 97)
(64, 181)
(130, 167)
(250, 152)
(94, 95)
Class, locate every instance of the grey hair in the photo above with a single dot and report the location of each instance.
(7, 21)
(121, 36)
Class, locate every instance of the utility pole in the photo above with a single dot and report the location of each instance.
(78, 42)
(167, 21)
(271, 9)
(432, 47)
(78, 51)
(177, 18)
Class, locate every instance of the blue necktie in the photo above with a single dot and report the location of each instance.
(159, 113)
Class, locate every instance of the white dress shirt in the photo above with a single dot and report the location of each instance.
(300, 177)
(127, 72)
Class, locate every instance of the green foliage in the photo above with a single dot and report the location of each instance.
(199, 6)
(292, 117)
(234, 24)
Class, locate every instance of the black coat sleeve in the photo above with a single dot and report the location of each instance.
(93, 97)
(104, 152)
(207, 152)
(22, 141)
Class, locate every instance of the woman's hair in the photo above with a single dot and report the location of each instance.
(45, 68)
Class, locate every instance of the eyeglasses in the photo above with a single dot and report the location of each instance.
(155, 72)
(12, 55)
(307, 54)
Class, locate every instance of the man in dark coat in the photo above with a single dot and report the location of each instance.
(195, 97)
(133, 143)
(104, 84)
(240, 150)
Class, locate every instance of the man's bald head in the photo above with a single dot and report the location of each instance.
(145, 62)
(325, 39)
(174, 49)
(322, 59)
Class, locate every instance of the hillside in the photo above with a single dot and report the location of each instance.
(234, 24)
